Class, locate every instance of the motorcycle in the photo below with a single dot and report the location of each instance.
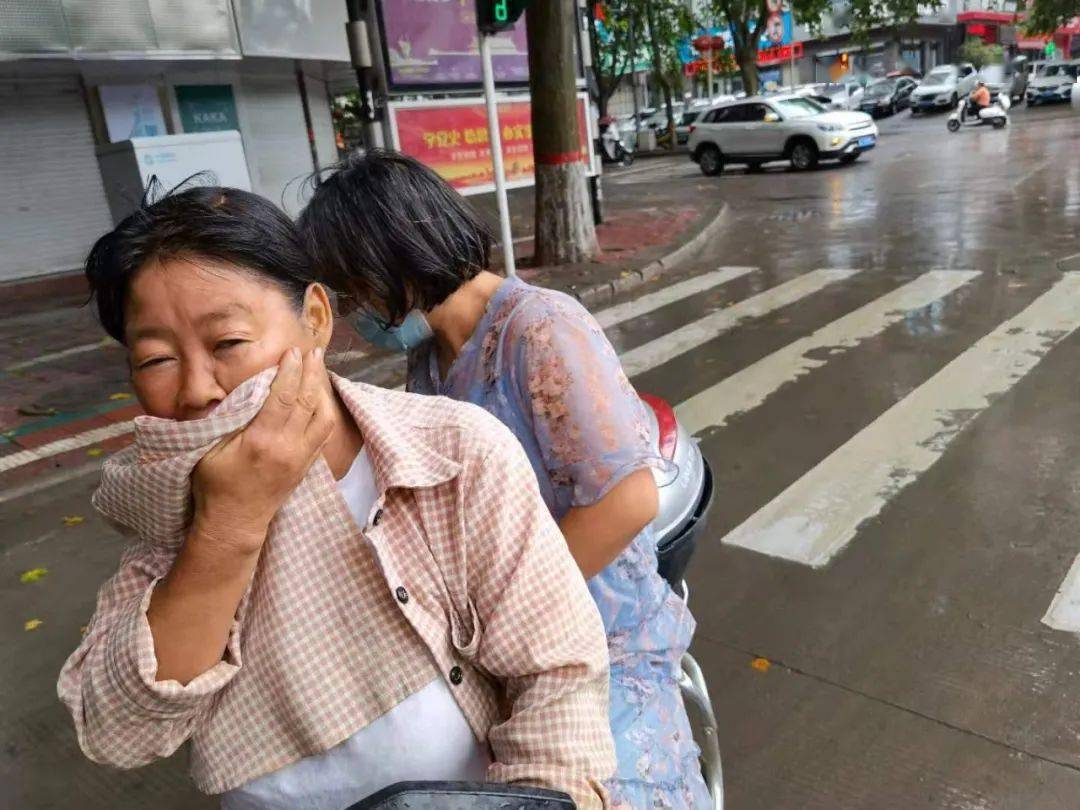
(686, 495)
(612, 147)
(996, 114)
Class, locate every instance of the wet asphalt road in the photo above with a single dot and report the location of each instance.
(910, 331)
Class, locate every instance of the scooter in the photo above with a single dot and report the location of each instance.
(612, 147)
(686, 495)
(996, 114)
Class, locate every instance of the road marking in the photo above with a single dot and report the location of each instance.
(819, 514)
(686, 338)
(668, 295)
(748, 388)
(1064, 612)
(60, 355)
(89, 437)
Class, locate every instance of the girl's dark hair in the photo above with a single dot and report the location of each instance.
(385, 227)
(211, 222)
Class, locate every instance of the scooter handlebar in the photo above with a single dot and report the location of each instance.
(463, 796)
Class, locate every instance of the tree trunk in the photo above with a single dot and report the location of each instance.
(658, 72)
(564, 232)
(747, 59)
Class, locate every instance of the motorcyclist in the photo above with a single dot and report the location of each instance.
(979, 99)
(609, 137)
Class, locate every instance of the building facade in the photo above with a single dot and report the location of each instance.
(77, 75)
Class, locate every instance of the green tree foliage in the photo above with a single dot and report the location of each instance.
(980, 53)
(1044, 16)
(625, 32)
(747, 17)
(611, 39)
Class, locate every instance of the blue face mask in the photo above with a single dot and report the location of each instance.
(411, 332)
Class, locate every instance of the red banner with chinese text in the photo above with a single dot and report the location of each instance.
(452, 138)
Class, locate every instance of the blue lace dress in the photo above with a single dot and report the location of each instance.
(541, 364)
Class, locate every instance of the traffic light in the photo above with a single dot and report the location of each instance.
(493, 16)
(1051, 49)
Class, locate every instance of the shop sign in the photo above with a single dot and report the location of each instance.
(206, 107)
(451, 136)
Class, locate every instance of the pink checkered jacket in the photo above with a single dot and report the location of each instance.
(460, 573)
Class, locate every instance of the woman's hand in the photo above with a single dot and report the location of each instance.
(242, 482)
(238, 487)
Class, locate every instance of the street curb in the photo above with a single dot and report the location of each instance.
(604, 292)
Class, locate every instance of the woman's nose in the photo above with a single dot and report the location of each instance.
(200, 392)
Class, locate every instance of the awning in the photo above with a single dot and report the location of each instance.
(998, 17)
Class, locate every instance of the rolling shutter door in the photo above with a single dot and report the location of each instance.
(52, 201)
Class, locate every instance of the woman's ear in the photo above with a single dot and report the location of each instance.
(318, 315)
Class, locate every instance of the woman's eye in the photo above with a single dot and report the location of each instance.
(153, 361)
(224, 345)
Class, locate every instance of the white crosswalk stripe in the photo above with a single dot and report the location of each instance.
(751, 386)
(820, 513)
(649, 302)
(669, 346)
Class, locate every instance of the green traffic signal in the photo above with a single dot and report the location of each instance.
(493, 16)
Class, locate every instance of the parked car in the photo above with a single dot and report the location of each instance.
(1054, 82)
(887, 96)
(943, 87)
(1021, 71)
(685, 122)
(997, 80)
(834, 95)
(790, 127)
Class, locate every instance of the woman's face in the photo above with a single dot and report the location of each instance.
(196, 328)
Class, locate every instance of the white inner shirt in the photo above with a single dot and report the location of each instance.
(424, 737)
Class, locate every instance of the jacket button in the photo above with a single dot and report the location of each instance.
(456, 676)
(375, 521)
(401, 594)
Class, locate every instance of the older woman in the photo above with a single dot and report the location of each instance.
(321, 572)
(413, 258)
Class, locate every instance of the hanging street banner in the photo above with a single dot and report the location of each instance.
(435, 45)
(451, 136)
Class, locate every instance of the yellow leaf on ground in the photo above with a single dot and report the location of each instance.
(32, 624)
(84, 629)
(94, 452)
(33, 575)
(119, 396)
(761, 664)
(73, 520)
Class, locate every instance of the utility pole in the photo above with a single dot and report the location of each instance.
(493, 16)
(360, 55)
(495, 142)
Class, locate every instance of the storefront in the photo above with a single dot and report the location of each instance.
(920, 50)
(66, 91)
(1005, 29)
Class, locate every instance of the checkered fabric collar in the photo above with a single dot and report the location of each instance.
(399, 454)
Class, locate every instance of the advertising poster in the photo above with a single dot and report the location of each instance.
(206, 107)
(451, 137)
(434, 43)
(131, 111)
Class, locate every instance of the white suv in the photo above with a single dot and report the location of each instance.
(755, 131)
(943, 87)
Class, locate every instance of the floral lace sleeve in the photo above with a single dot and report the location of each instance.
(590, 425)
